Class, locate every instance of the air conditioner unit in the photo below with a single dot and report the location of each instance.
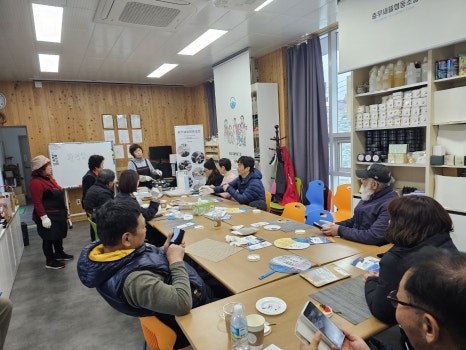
(240, 5)
(159, 14)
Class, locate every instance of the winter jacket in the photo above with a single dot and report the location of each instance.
(392, 268)
(247, 190)
(110, 277)
(370, 219)
(97, 195)
(148, 212)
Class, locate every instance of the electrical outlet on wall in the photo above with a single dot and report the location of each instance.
(78, 201)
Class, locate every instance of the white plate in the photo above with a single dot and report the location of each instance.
(272, 227)
(271, 306)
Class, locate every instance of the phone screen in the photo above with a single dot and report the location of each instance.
(316, 224)
(178, 234)
(323, 323)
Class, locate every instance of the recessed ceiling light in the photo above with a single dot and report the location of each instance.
(49, 63)
(162, 70)
(260, 7)
(47, 22)
(205, 39)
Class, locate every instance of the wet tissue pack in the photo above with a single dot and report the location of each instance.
(202, 207)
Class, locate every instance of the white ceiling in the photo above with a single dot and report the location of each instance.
(96, 52)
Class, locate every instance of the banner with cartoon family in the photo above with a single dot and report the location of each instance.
(234, 107)
(190, 152)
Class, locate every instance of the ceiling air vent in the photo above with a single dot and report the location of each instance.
(158, 14)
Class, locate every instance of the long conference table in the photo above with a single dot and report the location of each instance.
(204, 327)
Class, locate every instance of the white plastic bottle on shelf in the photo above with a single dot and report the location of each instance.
(373, 79)
(399, 73)
(410, 74)
(239, 329)
(386, 84)
(424, 69)
(379, 80)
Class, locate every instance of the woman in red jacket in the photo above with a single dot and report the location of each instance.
(50, 213)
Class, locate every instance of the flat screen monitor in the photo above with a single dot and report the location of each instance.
(160, 152)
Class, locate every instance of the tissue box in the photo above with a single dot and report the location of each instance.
(200, 208)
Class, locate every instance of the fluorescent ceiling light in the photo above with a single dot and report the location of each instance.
(162, 70)
(49, 63)
(260, 7)
(47, 22)
(205, 39)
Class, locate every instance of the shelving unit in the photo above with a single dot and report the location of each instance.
(265, 117)
(211, 150)
(445, 125)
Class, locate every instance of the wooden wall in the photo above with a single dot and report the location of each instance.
(272, 69)
(71, 112)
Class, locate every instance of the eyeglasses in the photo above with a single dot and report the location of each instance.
(394, 300)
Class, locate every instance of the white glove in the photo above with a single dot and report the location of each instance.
(205, 190)
(156, 194)
(157, 172)
(144, 178)
(46, 222)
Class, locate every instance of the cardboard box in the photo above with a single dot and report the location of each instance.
(18, 190)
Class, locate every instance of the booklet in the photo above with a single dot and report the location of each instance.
(368, 263)
(314, 240)
(254, 243)
(320, 276)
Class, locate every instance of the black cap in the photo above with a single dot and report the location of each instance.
(376, 171)
(210, 164)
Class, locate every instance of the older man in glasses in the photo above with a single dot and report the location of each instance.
(430, 303)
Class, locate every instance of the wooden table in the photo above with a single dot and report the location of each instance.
(206, 330)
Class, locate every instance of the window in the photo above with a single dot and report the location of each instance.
(338, 121)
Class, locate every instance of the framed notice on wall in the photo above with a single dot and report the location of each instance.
(122, 122)
(107, 121)
(135, 121)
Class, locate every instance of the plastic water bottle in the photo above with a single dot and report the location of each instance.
(239, 329)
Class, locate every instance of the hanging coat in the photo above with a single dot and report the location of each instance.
(280, 179)
(291, 193)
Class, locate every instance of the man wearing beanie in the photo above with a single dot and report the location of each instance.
(50, 213)
(212, 174)
(370, 217)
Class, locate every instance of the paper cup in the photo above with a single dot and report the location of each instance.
(255, 331)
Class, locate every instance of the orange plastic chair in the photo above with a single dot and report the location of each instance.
(342, 201)
(268, 199)
(295, 211)
(157, 335)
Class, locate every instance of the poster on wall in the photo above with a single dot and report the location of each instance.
(190, 152)
(234, 107)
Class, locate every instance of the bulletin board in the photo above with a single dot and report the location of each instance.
(70, 160)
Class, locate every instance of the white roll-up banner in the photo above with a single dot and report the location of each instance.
(234, 107)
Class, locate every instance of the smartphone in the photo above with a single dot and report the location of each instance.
(316, 224)
(312, 320)
(177, 237)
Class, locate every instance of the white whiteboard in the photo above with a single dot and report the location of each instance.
(70, 160)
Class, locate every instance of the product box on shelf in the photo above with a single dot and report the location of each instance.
(462, 64)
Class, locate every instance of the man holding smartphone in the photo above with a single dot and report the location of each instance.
(140, 279)
(430, 304)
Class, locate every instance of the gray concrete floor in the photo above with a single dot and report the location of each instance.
(52, 310)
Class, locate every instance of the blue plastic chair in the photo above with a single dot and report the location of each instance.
(317, 215)
(315, 196)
